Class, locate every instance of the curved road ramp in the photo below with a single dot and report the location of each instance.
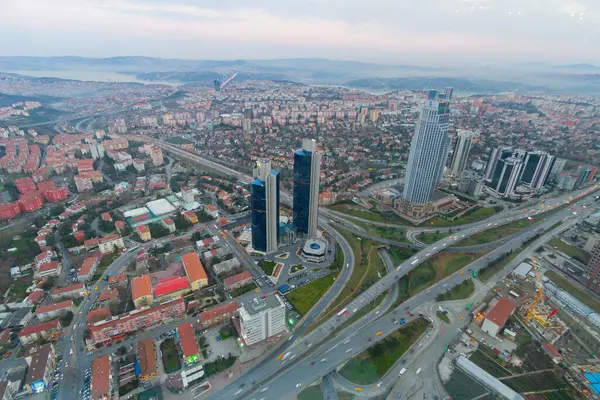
(486, 379)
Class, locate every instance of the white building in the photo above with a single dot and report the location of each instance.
(464, 140)
(262, 319)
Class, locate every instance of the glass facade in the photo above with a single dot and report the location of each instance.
(531, 167)
(302, 169)
(259, 215)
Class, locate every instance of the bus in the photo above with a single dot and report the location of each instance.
(134, 248)
(513, 294)
(469, 305)
(341, 312)
(474, 274)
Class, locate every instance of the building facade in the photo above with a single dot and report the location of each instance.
(307, 173)
(262, 319)
(464, 140)
(265, 207)
(536, 168)
(506, 176)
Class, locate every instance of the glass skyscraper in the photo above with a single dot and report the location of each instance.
(428, 149)
(307, 171)
(265, 207)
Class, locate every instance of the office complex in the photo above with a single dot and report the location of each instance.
(307, 171)
(557, 168)
(261, 319)
(265, 207)
(506, 175)
(464, 140)
(497, 154)
(537, 166)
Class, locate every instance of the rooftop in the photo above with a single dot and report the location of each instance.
(146, 356)
(171, 285)
(44, 326)
(501, 311)
(100, 377)
(141, 286)
(160, 207)
(237, 278)
(219, 311)
(54, 307)
(39, 360)
(74, 287)
(256, 305)
(187, 339)
(193, 267)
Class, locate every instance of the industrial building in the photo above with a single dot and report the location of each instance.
(498, 315)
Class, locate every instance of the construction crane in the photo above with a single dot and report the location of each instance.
(539, 296)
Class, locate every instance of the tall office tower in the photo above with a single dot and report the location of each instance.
(536, 168)
(261, 319)
(265, 207)
(506, 175)
(557, 168)
(307, 172)
(464, 140)
(499, 153)
(428, 149)
(585, 174)
(217, 85)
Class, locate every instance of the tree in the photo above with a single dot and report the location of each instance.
(48, 283)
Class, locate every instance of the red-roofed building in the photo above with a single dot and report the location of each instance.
(46, 330)
(9, 210)
(191, 217)
(34, 297)
(91, 243)
(55, 194)
(99, 314)
(187, 339)
(552, 352)
(106, 216)
(169, 224)
(110, 242)
(238, 280)
(498, 315)
(88, 267)
(172, 287)
(120, 226)
(25, 185)
(101, 385)
(69, 292)
(31, 201)
(118, 281)
(52, 268)
(79, 236)
(55, 310)
(219, 314)
(107, 296)
(45, 185)
(85, 165)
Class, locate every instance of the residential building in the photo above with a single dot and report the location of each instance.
(592, 271)
(49, 269)
(83, 183)
(141, 261)
(146, 357)
(169, 224)
(190, 217)
(98, 314)
(40, 368)
(118, 327)
(157, 156)
(261, 319)
(56, 310)
(108, 296)
(194, 270)
(237, 281)
(143, 232)
(462, 147)
(173, 287)
(265, 207)
(141, 291)
(428, 151)
(32, 334)
(88, 268)
(109, 243)
(498, 315)
(6, 391)
(219, 314)
(226, 266)
(68, 292)
(101, 384)
(307, 173)
(187, 339)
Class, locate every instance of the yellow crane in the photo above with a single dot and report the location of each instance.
(539, 296)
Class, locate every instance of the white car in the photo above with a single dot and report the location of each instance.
(298, 385)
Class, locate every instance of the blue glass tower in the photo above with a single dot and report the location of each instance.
(307, 170)
(265, 207)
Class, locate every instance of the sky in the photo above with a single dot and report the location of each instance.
(434, 32)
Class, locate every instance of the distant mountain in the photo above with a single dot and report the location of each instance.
(423, 83)
(580, 66)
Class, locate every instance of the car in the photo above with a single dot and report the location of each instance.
(311, 363)
(379, 384)
(298, 385)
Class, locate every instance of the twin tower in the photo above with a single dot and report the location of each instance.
(266, 195)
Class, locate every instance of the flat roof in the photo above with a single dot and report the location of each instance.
(187, 339)
(257, 305)
(193, 267)
(160, 207)
(39, 360)
(100, 377)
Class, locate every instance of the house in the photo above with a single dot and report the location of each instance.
(45, 257)
(40, 368)
(49, 269)
(108, 296)
(91, 243)
(143, 232)
(169, 224)
(106, 217)
(98, 314)
(146, 356)
(190, 217)
(109, 243)
(498, 315)
(219, 314)
(56, 310)
(120, 226)
(69, 292)
(237, 281)
(49, 331)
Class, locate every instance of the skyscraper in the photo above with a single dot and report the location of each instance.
(536, 168)
(464, 140)
(265, 207)
(428, 149)
(496, 154)
(307, 172)
(506, 175)
(557, 168)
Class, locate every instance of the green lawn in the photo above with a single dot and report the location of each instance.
(311, 393)
(494, 234)
(578, 254)
(215, 367)
(226, 332)
(399, 254)
(443, 316)
(430, 238)
(241, 290)
(18, 291)
(474, 215)
(307, 296)
(398, 235)
(461, 291)
(296, 268)
(493, 267)
(369, 366)
(371, 215)
(269, 266)
(170, 356)
(580, 294)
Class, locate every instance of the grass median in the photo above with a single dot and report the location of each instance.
(474, 215)
(431, 238)
(574, 252)
(372, 364)
(459, 292)
(308, 295)
(495, 234)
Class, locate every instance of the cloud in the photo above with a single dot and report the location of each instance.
(449, 31)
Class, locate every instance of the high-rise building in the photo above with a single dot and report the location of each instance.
(265, 207)
(496, 154)
(536, 167)
(506, 175)
(557, 168)
(157, 156)
(307, 172)
(261, 319)
(592, 272)
(464, 140)
(428, 149)
(585, 174)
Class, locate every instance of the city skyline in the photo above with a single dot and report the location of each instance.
(446, 33)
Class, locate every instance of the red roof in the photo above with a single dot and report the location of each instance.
(187, 339)
(87, 265)
(193, 267)
(52, 307)
(117, 278)
(72, 288)
(501, 311)
(219, 311)
(108, 294)
(237, 278)
(100, 377)
(551, 350)
(170, 285)
(99, 314)
(44, 326)
(35, 296)
(48, 266)
(109, 238)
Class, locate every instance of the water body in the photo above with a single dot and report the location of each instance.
(89, 75)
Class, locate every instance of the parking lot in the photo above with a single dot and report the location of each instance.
(218, 347)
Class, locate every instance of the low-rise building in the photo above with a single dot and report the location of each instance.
(190, 217)
(141, 291)
(49, 330)
(101, 384)
(99, 314)
(110, 243)
(262, 319)
(52, 268)
(40, 367)
(498, 315)
(176, 286)
(146, 356)
(219, 314)
(226, 266)
(119, 281)
(194, 270)
(56, 310)
(187, 339)
(143, 232)
(68, 292)
(108, 296)
(237, 281)
(169, 224)
(88, 268)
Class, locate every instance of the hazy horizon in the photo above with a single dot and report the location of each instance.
(440, 33)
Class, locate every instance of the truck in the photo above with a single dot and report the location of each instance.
(474, 274)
